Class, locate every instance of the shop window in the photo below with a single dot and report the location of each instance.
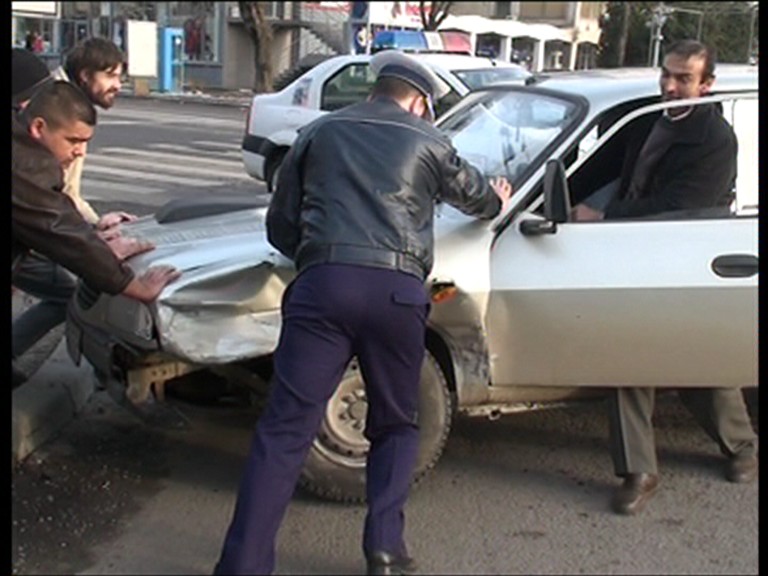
(35, 34)
(200, 22)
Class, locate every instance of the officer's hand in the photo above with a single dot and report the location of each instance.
(503, 189)
(124, 247)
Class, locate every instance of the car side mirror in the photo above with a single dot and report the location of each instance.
(557, 198)
(557, 202)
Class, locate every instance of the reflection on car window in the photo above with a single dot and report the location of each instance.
(348, 86)
(503, 133)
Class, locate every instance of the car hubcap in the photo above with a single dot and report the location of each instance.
(344, 422)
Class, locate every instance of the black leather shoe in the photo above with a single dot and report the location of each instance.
(385, 564)
(632, 496)
(741, 468)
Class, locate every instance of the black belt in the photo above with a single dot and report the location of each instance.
(360, 255)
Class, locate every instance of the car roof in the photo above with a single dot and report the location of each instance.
(640, 81)
(444, 60)
(463, 61)
(605, 87)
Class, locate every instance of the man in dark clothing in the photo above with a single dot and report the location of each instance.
(688, 161)
(354, 210)
(46, 137)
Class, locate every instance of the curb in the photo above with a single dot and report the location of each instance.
(52, 398)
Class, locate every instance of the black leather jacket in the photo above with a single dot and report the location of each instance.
(359, 187)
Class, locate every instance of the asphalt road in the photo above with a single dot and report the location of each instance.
(527, 494)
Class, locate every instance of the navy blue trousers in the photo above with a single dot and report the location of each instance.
(332, 312)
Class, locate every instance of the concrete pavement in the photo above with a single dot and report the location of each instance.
(48, 401)
(55, 394)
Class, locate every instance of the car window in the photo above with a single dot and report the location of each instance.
(484, 76)
(507, 133)
(349, 85)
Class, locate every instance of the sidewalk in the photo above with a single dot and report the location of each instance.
(48, 401)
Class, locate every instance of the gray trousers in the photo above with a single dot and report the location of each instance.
(54, 286)
(721, 412)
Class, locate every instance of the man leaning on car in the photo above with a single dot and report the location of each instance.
(47, 135)
(687, 161)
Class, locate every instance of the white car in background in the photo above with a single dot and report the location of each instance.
(274, 119)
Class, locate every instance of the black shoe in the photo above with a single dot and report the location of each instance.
(385, 564)
(741, 468)
(632, 496)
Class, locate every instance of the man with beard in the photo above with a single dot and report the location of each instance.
(687, 161)
(96, 67)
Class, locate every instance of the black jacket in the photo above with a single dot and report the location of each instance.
(698, 169)
(359, 187)
(45, 220)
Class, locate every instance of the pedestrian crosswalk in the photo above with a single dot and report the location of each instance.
(156, 171)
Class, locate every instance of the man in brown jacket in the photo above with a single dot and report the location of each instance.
(46, 138)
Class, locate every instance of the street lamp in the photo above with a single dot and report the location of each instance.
(659, 18)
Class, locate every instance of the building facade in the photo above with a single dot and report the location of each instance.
(217, 52)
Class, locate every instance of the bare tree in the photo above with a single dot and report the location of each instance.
(260, 31)
(433, 13)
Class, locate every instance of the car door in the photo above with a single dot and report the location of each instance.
(656, 302)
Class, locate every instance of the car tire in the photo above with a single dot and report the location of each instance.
(335, 466)
(273, 173)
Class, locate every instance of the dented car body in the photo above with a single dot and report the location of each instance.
(529, 310)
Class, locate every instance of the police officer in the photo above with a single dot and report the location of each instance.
(354, 210)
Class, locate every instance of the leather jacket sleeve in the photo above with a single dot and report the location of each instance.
(282, 221)
(44, 219)
(466, 188)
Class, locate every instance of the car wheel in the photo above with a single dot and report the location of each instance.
(274, 171)
(335, 466)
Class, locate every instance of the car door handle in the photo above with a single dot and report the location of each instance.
(735, 265)
(537, 227)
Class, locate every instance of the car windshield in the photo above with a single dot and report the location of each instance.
(484, 76)
(504, 133)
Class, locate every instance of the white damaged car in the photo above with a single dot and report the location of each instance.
(529, 310)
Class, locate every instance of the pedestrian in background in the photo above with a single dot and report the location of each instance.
(354, 210)
(96, 67)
